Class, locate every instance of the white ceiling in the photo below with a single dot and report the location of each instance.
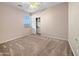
(25, 6)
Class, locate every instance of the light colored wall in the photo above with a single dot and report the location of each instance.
(54, 21)
(1, 21)
(74, 27)
(11, 23)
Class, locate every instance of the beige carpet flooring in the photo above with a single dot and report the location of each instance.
(35, 45)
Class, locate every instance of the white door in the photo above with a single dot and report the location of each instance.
(33, 24)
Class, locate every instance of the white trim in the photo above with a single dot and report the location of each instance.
(19, 36)
(71, 47)
(54, 37)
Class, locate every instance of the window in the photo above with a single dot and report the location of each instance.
(26, 21)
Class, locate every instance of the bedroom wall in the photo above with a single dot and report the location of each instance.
(11, 23)
(1, 21)
(54, 21)
(74, 27)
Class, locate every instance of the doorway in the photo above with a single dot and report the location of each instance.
(38, 25)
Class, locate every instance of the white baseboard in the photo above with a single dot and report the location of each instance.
(50, 36)
(71, 47)
(18, 36)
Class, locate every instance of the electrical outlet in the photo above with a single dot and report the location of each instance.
(77, 40)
